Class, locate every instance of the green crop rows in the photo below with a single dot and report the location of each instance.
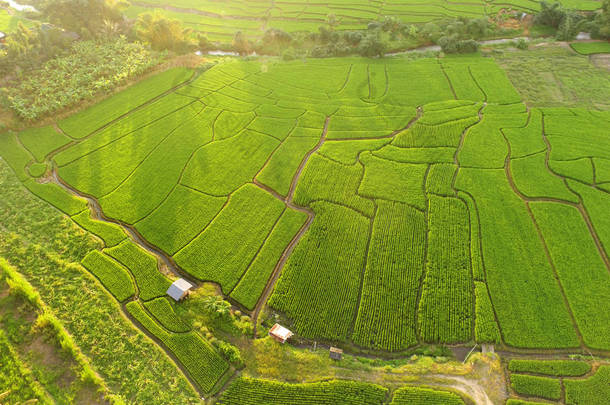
(424, 396)
(591, 389)
(246, 391)
(220, 20)
(559, 368)
(440, 210)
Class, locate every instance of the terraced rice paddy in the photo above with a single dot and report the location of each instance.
(221, 20)
(424, 204)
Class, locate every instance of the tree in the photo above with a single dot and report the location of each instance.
(216, 306)
(452, 44)
(550, 14)
(163, 33)
(204, 43)
(567, 29)
(22, 41)
(332, 21)
(431, 32)
(274, 36)
(241, 44)
(371, 46)
(602, 21)
(85, 17)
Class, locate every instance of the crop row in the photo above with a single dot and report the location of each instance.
(163, 310)
(440, 178)
(558, 368)
(486, 136)
(324, 179)
(249, 391)
(560, 226)
(424, 396)
(171, 229)
(443, 135)
(252, 284)
(445, 308)
(143, 266)
(532, 178)
(103, 169)
(172, 153)
(386, 314)
(226, 247)
(85, 122)
(320, 283)
(201, 360)
(391, 180)
(533, 386)
(111, 274)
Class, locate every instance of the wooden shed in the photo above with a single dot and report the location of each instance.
(279, 333)
(335, 353)
(179, 289)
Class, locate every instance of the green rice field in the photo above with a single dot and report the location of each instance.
(399, 204)
(221, 20)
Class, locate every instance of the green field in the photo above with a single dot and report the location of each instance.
(590, 48)
(592, 389)
(398, 206)
(393, 208)
(221, 20)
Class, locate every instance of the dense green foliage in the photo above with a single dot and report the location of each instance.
(248, 391)
(89, 68)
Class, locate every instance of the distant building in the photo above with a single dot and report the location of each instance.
(279, 333)
(336, 353)
(179, 289)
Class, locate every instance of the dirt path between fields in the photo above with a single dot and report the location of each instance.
(262, 300)
(472, 388)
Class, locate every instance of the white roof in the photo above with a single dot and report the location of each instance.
(281, 332)
(178, 288)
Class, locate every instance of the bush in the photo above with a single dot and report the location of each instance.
(452, 44)
(550, 14)
(289, 54)
(230, 352)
